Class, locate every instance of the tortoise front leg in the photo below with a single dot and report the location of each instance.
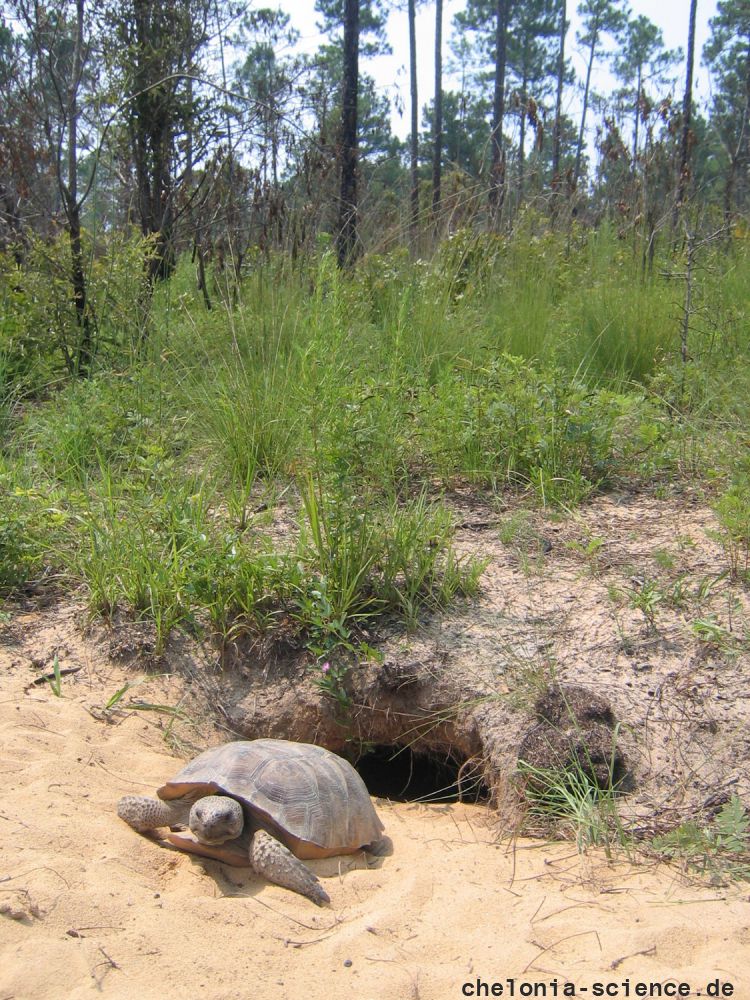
(269, 857)
(144, 814)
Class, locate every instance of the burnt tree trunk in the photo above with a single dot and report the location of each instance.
(84, 349)
(347, 226)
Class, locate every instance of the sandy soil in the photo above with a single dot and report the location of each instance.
(87, 907)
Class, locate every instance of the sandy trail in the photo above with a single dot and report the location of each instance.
(89, 908)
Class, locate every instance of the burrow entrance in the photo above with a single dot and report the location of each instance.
(405, 775)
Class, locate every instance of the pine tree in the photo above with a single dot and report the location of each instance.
(641, 60)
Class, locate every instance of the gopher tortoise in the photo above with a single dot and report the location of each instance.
(285, 801)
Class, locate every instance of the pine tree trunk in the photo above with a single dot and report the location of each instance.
(437, 124)
(347, 226)
(497, 169)
(414, 142)
(557, 140)
(586, 90)
(639, 83)
(84, 347)
(687, 107)
(522, 137)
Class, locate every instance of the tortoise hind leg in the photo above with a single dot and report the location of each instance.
(269, 857)
(379, 848)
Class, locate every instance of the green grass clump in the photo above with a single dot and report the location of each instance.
(733, 512)
(32, 529)
(370, 560)
(105, 422)
(136, 550)
(573, 802)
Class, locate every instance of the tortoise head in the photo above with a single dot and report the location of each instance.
(215, 819)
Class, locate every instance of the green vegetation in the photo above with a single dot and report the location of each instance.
(570, 799)
(354, 403)
(717, 849)
(55, 681)
(733, 511)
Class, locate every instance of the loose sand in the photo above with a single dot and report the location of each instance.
(90, 908)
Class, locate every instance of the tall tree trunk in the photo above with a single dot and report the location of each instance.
(729, 191)
(437, 123)
(557, 138)
(639, 83)
(347, 226)
(497, 169)
(274, 142)
(152, 136)
(84, 348)
(414, 141)
(737, 154)
(586, 90)
(687, 109)
(522, 135)
(189, 148)
(225, 85)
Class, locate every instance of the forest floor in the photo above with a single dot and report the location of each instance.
(628, 596)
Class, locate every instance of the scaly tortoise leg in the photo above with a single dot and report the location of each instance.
(269, 858)
(144, 814)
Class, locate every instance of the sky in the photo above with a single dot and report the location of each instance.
(391, 72)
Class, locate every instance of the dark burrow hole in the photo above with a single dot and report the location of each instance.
(401, 774)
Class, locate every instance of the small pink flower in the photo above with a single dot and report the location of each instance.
(326, 667)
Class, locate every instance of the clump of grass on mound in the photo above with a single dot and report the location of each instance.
(571, 802)
(575, 804)
(366, 560)
(170, 558)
